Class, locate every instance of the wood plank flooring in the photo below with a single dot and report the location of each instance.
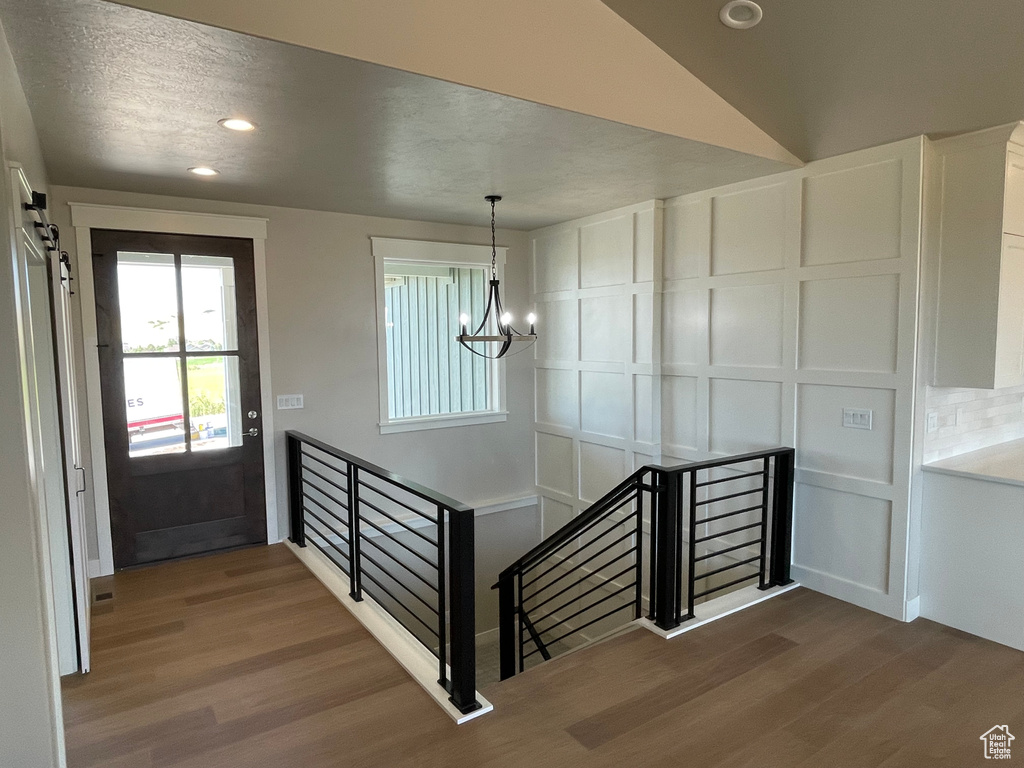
(244, 659)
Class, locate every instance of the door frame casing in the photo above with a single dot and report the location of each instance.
(88, 216)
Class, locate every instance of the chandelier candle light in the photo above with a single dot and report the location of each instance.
(503, 320)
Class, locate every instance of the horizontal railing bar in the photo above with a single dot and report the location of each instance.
(726, 533)
(574, 527)
(597, 538)
(572, 616)
(725, 568)
(400, 543)
(553, 611)
(326, 479)
(743, 458)
(325, 509)
(329, 543)
(306, 483)
(399, 582)
(579, 565)
(325, 524)
(330, 557)
(369, 540)
(396, 521)
(727, 550)
(430, 629)
(707, 592)
(730, 479)
(326, 464)
(729, 514)
(580, 628)
(407, 485)
(411, 508)
(730, 496)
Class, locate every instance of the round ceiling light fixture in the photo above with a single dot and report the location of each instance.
(741, 14)
(203, 170)
(236, 124)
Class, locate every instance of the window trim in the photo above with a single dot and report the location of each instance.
(442, 254)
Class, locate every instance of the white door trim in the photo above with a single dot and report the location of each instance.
(85, 217)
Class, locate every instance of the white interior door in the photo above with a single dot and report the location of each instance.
(73, 467)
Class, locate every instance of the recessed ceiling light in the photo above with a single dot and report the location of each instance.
(203, 170)
(740, 14)
(236, 124)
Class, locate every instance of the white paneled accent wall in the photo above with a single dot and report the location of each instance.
(786, 300)
(596, 289)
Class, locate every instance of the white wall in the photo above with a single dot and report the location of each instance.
(321, 301)
(31, 731)
(595, 285)
(782, 301)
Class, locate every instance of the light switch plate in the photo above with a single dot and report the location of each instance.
(857, 418)
(289, 402)
(933, 421)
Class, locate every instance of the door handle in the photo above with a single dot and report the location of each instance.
(85, 485)
(252, 432)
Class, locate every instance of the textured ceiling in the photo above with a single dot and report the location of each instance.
(825, 77)
(125, 99)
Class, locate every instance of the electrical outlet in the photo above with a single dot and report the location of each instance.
(857, 418)
(289, 402)
(933, 421)
(960, 416)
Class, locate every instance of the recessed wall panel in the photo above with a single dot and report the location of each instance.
(606, 321)
(843, 535)
(556, 262)
(601, 469)
(555, 515)
(679, 411)
(643, 327)
(850, 324)
(606, 252)
(686, 237)
(557, 397)
(605, 399)
(643, 405)
(825, 445)
(744, 415)
(746, 326)
(643, 246)
(556, 331)
(684, 327)
(554, 463)
(853, 215)
(748, 231)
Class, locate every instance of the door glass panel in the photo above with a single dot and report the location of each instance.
(215, 411)
(147, 290)
(152, 390)
(208, 296)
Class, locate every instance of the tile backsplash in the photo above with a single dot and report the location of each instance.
(969, 419)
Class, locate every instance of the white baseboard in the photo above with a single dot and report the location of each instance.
(420, 663)
(913, 609)
(95, 569)
(487, 637)
(719, 608)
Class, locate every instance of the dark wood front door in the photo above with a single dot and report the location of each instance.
(179, 362)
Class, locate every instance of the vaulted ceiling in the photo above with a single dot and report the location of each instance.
(824, 77)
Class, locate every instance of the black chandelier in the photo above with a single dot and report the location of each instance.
(506, 334)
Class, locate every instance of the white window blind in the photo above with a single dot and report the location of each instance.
(428, 372)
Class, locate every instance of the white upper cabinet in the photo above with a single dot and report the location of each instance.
(979, 235)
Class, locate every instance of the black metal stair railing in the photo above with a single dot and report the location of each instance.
(712, 526)
(407, 547)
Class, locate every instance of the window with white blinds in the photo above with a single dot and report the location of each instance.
(428, 372)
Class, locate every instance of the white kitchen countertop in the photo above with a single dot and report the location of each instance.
(1003, 463)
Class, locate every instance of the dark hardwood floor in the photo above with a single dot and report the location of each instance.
(244, 659)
